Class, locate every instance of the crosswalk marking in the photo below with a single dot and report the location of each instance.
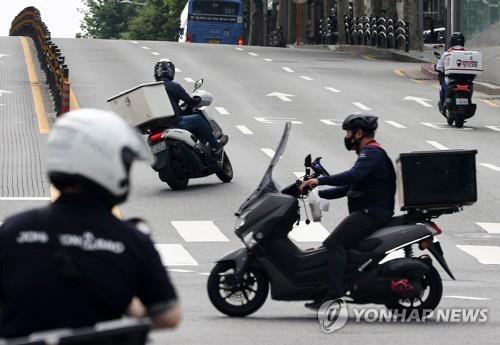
(488, 255)
(395, 124)
(437, 145)
(244, 129)
(222, 110)
(490, 166)
(332, 89)
(199, 231)
(268, 152)
(314, 232)
(491, 228)
(331, 122)
(361, 106)
(175, 255)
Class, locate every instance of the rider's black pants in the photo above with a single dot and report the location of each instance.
(351, 230)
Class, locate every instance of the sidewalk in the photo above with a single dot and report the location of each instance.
(426, 59)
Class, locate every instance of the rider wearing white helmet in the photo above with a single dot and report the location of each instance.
(73, 264)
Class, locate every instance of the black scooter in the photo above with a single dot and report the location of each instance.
(239, 283)
(458, 105)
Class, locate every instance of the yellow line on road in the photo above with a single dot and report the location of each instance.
(399, 72)
(490, 103)
(43, 125)
(368, 57)
(418, 81)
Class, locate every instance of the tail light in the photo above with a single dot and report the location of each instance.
(437, 229)
(241, 41)
(155, 137)
(401, 286)
(188, 37)
(462, 87)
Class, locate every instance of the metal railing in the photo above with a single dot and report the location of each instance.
(378, 32)
(29, 23)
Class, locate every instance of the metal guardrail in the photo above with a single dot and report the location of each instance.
(377, 31)
(29, 23)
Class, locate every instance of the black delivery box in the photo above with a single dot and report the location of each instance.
(436, 179)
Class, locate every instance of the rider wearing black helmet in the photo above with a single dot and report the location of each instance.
(164, 70)
(457, 42)
(369, 185)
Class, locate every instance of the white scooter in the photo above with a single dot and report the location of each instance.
(180, 155)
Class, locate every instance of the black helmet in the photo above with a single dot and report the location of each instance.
(365, 122)
(457, 39)
(164, 69)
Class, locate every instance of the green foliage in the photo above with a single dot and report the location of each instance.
(156, 20)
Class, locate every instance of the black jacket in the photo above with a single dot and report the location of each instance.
(370, 184)
(177, 93)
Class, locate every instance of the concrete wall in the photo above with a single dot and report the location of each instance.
(488, 43)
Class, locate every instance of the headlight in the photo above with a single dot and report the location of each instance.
(249, 240)
(239, 223)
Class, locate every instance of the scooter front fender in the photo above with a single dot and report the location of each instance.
(240, 259)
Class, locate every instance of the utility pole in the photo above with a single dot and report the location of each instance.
(341, 12)
(412, 14)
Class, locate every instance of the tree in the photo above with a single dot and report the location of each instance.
(158, 20)
(106, 18)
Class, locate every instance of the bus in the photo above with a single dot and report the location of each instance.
(212, 21)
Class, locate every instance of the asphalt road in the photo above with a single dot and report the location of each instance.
(323, 87)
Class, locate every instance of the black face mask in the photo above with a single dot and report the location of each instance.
(352, 143)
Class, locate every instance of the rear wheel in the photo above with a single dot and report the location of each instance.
(459, 121)
(226, 173)
(233, 299)
(172, 175)
(428, 299)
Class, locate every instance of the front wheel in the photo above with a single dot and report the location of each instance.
(428, 299)
(235, 299)
(226, 173)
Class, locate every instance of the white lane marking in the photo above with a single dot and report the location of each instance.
(437, 145)
(494, 128)
(395, 124)
(175, 255)
(469, 297)
(306, 77)
(34, 198)
(244, 129)
(239, 49)
(253, 54)
(332, 89)
(145, 48)
(189, 80)
(299, 174)
(419, 100)
(2, 92)
(1, 104)
(178, 270)
(199, 231)
(331, 122)
(178, 70)
(314, 232)
(491, 228)
(490, 166)
(268, 152)
(134, 42)
(203, 274)
(278, 120)
(222, 110)
(155, 53)
(431, 125)
(361, 106)
(268, 60)
(285, 97)
(3, 55)
(487, 255)
(288, 69)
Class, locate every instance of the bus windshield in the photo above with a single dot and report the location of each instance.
(216, 7)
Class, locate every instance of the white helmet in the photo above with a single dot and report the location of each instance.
(94, 149)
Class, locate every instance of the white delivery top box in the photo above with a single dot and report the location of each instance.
(143, 105)
(463, 62)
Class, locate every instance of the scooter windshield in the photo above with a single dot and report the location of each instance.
(267, 184)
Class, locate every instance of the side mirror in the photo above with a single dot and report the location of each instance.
(198, 84)
(307, 161)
